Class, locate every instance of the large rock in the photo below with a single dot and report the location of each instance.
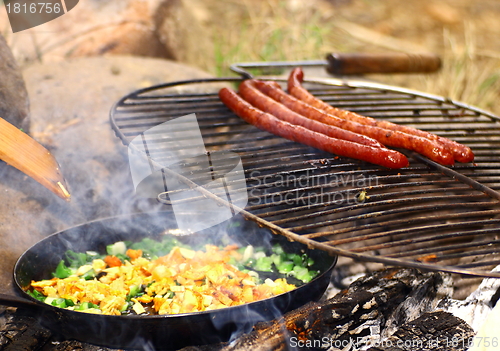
(150, 28)
(119, 28)
(70, 105)
(182, 35)
(14, 102)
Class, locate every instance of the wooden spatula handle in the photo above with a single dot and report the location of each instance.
(364, 63)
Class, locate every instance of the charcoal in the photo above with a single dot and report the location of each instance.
(22, 332)
(354, 317)
(432, 331)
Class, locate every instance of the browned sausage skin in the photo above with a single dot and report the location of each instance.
(265, 121)
(428, 148)
(251, 94)
(461, 153)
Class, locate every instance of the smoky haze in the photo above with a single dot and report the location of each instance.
(70, 104)
(176, 147)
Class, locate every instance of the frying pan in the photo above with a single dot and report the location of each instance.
(158, 332)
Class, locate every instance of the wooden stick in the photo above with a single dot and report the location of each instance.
(24, 153)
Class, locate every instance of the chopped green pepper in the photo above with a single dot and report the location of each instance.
(285, 267)
(62, 271)
(37, 295)
(264, 264)
(85, 306)
(90, 274)
(135, 290)
(62, 303)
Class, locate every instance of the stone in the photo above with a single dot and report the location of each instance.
(70, 105)
(14, 102)
(179, 31)
(128, 30)
(150, 28)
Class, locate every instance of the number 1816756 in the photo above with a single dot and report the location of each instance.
(34, 7)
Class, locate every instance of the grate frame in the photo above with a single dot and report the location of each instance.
(424, 216)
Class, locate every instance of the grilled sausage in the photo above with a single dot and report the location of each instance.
(265, 121)
(426, 147)
(251, 94)
(461, 153)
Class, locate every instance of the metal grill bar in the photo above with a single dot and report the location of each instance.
(425, 216)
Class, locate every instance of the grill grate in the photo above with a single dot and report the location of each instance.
(425, 216)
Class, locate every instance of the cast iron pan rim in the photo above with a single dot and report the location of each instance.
(149, 317)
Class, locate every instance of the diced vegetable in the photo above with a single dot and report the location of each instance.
(135, 290)
(277, 259)
(264, 264)
(134, 254)
(62, 271)
(86, 306)
(118, 248)
(62, 303)
(278, 249)
(169, 277)
(292, 264)
(37, 295)
(90, 274)
(247, 253)
(112, 261)
(285, 267)
(138, 308)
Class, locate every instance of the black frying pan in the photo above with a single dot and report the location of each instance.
(166, 331)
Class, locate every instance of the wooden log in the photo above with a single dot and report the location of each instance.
(22, 332)
(432, 331)
(353, 318)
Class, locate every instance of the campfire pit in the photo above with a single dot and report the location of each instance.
(382, 217)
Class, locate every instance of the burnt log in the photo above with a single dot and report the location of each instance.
(354, 317)
(22, 332)
(432, 331)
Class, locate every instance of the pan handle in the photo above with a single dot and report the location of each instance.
(361, 63)
(15, 301)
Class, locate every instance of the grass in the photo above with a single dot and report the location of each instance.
(466, 75)
(274, 30)
(266, 31)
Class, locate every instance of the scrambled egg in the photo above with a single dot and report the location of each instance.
(183, 281)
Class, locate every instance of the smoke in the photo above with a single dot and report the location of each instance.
(71, 121)
(164, 155)
(153, 332)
